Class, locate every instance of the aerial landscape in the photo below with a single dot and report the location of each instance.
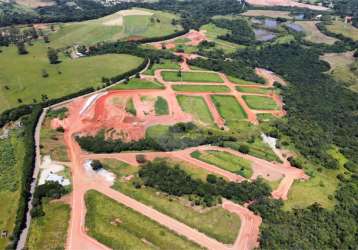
(178, 124)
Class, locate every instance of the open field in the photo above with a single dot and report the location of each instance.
(254, 90)
(174, 76)
(124, 24)
(268, 13)
(225, 161)
(215, 222)
(239, 81)
(212, 32)
(21, 76)
(201, 88)
(161, 106)
(260, 102)
(165, 64)
(345, 29)
(196, 106)
(229, 108)
(49, 231)
(12, 153)
(313, 34)
(136, 83)
(119, 227)
(130, 108)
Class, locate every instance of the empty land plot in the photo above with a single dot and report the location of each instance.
(161, 106)
(253, 90)
(176, 76)
(267, 13)
(120, 227)
(130, 108)
(136, 83)
(265, 117)
(50, 230)
(239, 81)
(225, 161)
(62, 79)
(164, 64)
(345, 29)
(214, 222)
(229, 108)
(197, 107)
(201, 88)
(260, 102)
(313, 34)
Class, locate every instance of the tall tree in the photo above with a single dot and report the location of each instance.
(52, 56)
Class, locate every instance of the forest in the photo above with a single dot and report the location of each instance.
(175, 181)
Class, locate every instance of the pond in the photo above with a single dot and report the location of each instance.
(294, 26)
(264, 35)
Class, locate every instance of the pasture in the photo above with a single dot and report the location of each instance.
(125, 24)
(260, 102)
(314, 35)
(23, 79)
(120, 227)
(215, 222)
(176, 76)
(197, 107)
(345, 29)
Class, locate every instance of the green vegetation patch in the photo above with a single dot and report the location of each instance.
(229, 109)
(136, 83)
(50, 230)
(161, 106)
(196, 106)
(164, 64)
(314, 35)
(345, 29)
(260, 102)
(177, 76)
(239, 81)
(253, 90)
(22, 80)
(120, 227)
(225, 161)
(130, 108)
(201, 88)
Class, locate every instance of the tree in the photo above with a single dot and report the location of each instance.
(96, 165)
(46, 39)
(244, 149)
(44, 73)
(52, 56)
(21, 49)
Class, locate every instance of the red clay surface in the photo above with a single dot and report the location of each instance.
(285, 3)
(195, 37)
(108, 112)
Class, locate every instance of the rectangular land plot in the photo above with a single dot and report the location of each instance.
(229, 108)
(225, 161)
(260, 102)
(175, 76)
(164, 64)
(236, 80)
(136, 83)
(196, 106)
(161, 106)
(214, 222)
(201, 88)
(120, 227)
(254, 90)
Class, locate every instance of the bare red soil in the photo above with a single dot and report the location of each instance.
(285, 3)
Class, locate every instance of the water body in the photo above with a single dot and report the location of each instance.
(294, 26)
(270, 23)
(264, 35)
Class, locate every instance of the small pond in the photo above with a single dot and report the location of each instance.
(264, 35)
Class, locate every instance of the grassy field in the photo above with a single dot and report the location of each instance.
(229, 109)
(225, 161)
(267, 13)
(165, 64)
(265, 117)
(346, 30)
(173, 76)
(120, 227)
(120, 25)
(212, 32)
(161, 106)
(260, 102)
(130, 108)
(21, 75)
(136, 83)
(197, 107)
(201, 88)
(313, 34)
(52, 142)
(12, 152)
(49, 231)
(215, 222)
(239, 81)
(253, 90)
